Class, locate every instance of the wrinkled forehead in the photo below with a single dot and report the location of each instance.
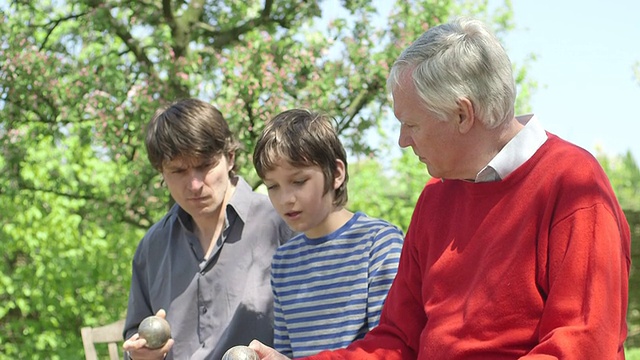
(405, 97)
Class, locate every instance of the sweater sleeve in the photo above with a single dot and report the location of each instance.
(584, 314)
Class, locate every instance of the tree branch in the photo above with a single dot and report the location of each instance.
(359, 102)
(123, 33)
(53, 24)
(168, 14)
(129, 220)
(224, 38)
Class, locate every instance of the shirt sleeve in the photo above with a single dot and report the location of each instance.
(139, 306)
(281, 341)
(401, 321)
(383, 266)
(584, 313)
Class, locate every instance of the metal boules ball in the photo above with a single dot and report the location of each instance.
(155, 330)
(240, 352)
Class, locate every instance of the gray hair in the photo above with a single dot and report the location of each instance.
(460, 59)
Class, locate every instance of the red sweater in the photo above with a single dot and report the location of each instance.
(535, 266)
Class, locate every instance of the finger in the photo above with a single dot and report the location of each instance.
(134, 343)
(256, 345)
(169, 344)
(161, 313)
(265, 352)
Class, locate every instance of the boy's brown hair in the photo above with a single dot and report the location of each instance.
(303, 138)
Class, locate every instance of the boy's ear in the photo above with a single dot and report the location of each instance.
(340, 174)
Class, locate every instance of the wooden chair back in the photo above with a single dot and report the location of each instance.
(110, 334)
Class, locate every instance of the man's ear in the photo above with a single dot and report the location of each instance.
(231, 159)
(466, 115)
(340, 174)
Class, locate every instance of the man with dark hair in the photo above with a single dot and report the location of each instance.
(206, 263)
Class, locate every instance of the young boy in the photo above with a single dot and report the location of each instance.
(331, 280)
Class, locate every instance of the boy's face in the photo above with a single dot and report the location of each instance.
(199, 186)
(297, 194)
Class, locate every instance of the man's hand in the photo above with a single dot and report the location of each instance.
(265, 352)
(137, 349)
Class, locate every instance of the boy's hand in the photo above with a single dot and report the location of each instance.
(265, 352)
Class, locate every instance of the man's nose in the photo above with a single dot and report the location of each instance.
(404, 140)
(196, 180)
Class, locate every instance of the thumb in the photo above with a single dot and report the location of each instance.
(256, 344)
(161, 313)
(261, 349)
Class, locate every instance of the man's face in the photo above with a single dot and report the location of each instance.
(432, 139)
(199, 186)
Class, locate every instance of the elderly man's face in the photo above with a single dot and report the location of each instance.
(433, 140)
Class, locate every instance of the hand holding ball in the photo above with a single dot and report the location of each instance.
(240, 352)
(155, 330)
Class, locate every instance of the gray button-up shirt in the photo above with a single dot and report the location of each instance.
(216, 303)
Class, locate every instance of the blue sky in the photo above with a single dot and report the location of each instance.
(586, 51)
(585, 54)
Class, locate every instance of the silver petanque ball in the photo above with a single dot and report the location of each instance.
(240, 352)
(155, 330)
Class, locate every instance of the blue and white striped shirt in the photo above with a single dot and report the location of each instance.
(329, 291)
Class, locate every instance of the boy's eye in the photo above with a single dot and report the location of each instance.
(271, 187)
(300, 182)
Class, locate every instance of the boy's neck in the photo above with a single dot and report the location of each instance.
(334, 221)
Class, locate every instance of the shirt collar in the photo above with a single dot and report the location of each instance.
(517, 151)
(239, 205)
(241, 200)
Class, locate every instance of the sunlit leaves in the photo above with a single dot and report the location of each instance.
(388, 193)
(624, 174)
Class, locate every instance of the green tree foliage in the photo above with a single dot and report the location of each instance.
(78, 82)
(624, 174)
(387, 193)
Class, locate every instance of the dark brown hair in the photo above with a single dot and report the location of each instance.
(190, 129)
